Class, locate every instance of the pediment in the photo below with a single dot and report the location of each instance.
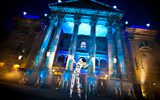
(86, 4)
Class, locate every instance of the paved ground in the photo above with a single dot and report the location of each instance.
(22, 92)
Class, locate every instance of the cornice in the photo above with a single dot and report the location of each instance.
(83, 11)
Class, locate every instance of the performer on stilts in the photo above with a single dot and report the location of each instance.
(75, 77)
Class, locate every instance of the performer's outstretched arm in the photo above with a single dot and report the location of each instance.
(86, 66)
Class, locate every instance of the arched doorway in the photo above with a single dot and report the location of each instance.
(103, 64)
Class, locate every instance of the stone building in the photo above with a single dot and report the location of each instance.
(142, 52)
(119, 58)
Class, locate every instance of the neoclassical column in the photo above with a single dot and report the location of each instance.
(69, 65)
(46, 75)
(92, 49)
(33, 75)
(91, 78)
(44, 45)
(111, 51)
(72, 48)
(120, 51)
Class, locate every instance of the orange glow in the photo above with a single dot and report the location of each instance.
(16, 66)
(143, 77)
(23, 66)
(12, 75)
(2, 64)
(104, 77)
(143, 91)
(57, 73)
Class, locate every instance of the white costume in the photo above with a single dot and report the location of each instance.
(75, 77)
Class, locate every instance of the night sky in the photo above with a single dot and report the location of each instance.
(137, 12)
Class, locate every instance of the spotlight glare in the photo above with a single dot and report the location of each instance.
(45, 15)
(114, 7)
(126, 22)
(24, 13)
(59, 1)
(148, 25)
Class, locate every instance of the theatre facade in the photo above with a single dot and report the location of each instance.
(90, 30)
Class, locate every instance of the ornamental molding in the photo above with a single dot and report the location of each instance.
(89, 12)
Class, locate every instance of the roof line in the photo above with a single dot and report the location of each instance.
(106, 5)
(63, 2)
(88, 0)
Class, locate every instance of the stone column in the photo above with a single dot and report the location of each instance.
(33, 74)
(92, 49)
(46, 73)
(44, 45)
(120, 52)
(72, 49)
(91, 79)
(111, 51)
(69, 65)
